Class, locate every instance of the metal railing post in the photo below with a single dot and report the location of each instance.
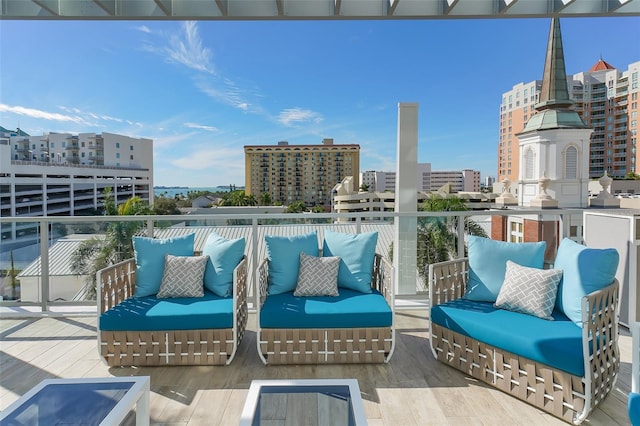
(44, 264)
(460, 236)
(255, 261)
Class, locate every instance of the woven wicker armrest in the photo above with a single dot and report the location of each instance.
(448, 280)
(116, 283)
(600, 340)
(263, 281)
(383, 278)
(240, 282)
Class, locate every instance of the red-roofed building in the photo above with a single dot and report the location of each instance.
(601, 65)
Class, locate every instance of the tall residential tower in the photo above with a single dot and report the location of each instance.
(605, 98)
(308, 173)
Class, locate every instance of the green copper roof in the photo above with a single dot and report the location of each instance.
(554, 119)
(553, 106)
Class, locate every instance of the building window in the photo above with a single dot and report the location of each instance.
(117, 144)
(131, 157)
(529, 163)
(130, 147)
(571, 163)
(117, 155)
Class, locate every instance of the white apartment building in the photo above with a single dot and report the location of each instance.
(427, 180)
(66, 175)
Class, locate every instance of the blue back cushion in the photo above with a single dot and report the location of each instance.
(284, 259)
(348, 310)
(149, 254)
(357, 253)
(152, 314)
(224, 256)
(488, 264)
(556, 343)
(584, 270)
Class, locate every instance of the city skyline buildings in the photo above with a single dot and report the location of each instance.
(200, 90)
(606, 99)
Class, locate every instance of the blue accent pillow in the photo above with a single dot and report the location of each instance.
(488, 264)
(584, 270)
(224, 256)
(284, 259)
(356, 253)
(149, 254)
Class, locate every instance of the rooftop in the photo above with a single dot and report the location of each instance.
(413, 389)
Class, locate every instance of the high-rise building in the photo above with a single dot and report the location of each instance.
(605, 98)
(308, 173)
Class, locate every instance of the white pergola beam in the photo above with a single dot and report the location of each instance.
(310, 9)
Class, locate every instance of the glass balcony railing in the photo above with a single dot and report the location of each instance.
(49, 261)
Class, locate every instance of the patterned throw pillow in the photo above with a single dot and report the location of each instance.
(318, 276)
(529, 290)
(183, 276)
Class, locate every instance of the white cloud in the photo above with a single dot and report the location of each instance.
(293, 116)
(144, 29)
(229, 94)
(166, 141)
(212, 157)
(186, 48)
(201, 127)
(36, 113)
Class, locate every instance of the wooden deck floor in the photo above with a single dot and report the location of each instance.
(413, 389)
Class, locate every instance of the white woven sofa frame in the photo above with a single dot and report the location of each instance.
(559, 393)
(116, 283)
(328, 345)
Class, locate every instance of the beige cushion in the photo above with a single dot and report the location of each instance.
(183, 276)
(318, 276)
(530, 291)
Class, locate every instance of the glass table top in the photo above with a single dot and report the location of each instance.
(308, 402)
(70, 404)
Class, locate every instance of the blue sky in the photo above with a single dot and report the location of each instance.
(203, 90)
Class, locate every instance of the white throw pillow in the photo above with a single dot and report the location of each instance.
(530, 291)
(318, 276)
(183, 276)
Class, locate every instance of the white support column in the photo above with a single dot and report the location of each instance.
(405, 240)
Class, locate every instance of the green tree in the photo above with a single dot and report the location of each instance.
(238, 198)
(364, 187)
(165, 206)
(115, 246)
(265, 199)
(438, 236)
(296, 207)
(632, 176)
(12, 276)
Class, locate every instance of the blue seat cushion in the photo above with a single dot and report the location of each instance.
(152, 314)
(556, 343)
(351, 309)
(634, 409)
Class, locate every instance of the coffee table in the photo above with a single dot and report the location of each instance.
(311, 401)
(88, 401)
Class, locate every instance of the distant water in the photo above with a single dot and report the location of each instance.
(172, 192)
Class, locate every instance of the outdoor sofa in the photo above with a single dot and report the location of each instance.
(326, 305)
(547, 337)
(166, 306)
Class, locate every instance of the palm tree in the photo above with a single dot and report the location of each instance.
(438, 236)
(115, 246)
(265, 199)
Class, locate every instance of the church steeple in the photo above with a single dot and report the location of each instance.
(554, 93)
(554, 102)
